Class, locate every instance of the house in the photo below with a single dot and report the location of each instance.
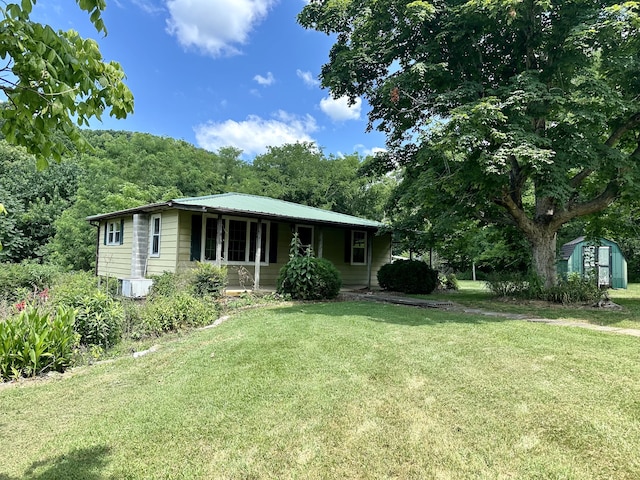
(249, 234)
(604, 257)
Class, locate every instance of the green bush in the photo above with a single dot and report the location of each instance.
(164, 285)
(17, 280)
(99, 317)
(574, 289)
(176, 312)
(516, 286)
(208, 280)
(448, 282)
(70, 288)
(99, 320)
(36, 341)
(305, 277)
(408, 276)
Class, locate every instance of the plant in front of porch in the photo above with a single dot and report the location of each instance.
(306, 277)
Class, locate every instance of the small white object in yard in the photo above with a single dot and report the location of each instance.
(144, 352)
(216, 323)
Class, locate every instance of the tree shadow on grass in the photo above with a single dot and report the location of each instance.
(411, 316)
(79, 464)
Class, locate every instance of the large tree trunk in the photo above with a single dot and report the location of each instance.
(543, 249)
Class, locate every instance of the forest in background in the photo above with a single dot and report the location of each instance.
(47, 209)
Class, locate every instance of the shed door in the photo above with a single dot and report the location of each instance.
(604, 266)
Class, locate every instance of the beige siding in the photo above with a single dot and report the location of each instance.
(184, 238)
(167, 260)
(115, 260)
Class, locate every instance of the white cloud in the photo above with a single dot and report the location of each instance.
(255, 134)
(265, 81)
(339, 110)
(216, 27)
(307, 78)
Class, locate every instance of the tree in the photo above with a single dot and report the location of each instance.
(54, 80)
(522, 113)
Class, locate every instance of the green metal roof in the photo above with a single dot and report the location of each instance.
(251, 205)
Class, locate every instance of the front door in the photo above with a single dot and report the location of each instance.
(604, 266)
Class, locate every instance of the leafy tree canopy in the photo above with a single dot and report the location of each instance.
(54, 81)
(525, 113)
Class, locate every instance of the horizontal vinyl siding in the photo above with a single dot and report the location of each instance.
(167, 260)
(356, 275)
(115, 260)
(184, 239)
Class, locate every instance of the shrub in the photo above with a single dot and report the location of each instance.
(176, 312)
(305, 277)
(574, 289)
(448, 282)
(509, 286)
(408, 276)
(208, 280)
(19, 279)
(164, 285)
(99, 320)
(36, 341)
(99, 317)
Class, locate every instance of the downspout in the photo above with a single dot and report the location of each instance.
(97, 225)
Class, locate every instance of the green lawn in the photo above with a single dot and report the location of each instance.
(339, 390)
(475, 295)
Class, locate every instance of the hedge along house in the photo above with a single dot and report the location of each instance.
(604, 257)
(249, 234)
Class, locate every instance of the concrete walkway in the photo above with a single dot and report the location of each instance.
(450, 306)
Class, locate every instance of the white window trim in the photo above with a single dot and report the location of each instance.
(152, 234)
(113, 229)
(353, 232)
(225, 251)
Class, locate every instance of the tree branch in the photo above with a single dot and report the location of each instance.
(613, 139)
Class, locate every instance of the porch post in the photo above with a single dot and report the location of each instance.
(320, 242)
(369, 257)
(256, 273)
(219, 241)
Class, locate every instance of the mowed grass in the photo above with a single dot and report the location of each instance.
(476, 295)
(339, 390)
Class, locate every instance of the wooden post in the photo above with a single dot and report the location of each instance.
(256, 273)
(369, 258)
(320, 243)
(219, 241)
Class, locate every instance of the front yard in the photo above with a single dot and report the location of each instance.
(339, 390)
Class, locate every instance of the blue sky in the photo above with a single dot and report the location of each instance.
(222, 72)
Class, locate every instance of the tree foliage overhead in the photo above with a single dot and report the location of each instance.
(521, 112)
(54, 80)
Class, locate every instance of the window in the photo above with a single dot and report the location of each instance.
(113, 234)
(252, 242)
(358, 247)
(238, 240)
(155, 236)
(305, 235)
(210, 238)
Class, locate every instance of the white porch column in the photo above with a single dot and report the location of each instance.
(219, 241)
(320, 242)
(369, 257)
(256, 273)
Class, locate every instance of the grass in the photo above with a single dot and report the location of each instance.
(475, 295)
(339, 390)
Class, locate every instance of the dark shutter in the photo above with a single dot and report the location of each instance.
(106, 227)
(121, 231)
(347, 246)
(196, 237)
(273, 243)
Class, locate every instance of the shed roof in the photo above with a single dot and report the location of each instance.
(567, 249)
(249, 205)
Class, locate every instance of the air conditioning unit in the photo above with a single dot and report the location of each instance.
(135, 287)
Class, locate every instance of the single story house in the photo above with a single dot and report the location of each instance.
(603, 256)
(249, 234)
